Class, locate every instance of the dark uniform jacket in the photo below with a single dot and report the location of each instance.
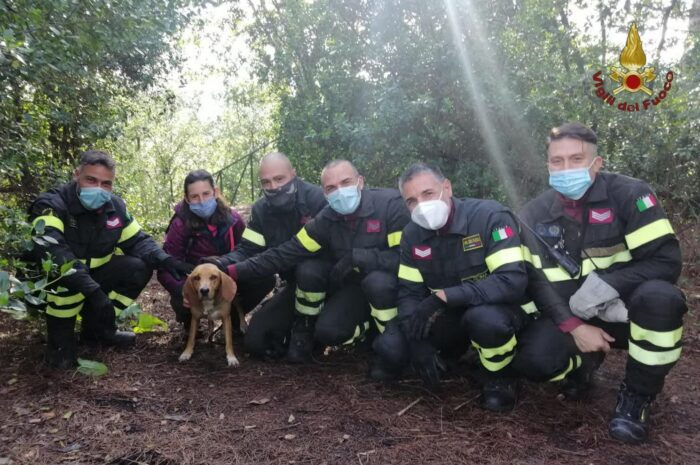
(476, 258)
(375, 226)
(270, 226)
(89, 237)
(624, 236)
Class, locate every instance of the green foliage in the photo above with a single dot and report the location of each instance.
(91, 368)
(138, 321)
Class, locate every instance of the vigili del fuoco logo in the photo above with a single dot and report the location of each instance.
(632, 77)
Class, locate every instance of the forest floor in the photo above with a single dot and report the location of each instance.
(151, 409)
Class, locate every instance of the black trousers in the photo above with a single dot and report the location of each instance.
(249, 294)
(492, 330)
(269, 328)
(122, 279)
(652, 338)
(344, 316)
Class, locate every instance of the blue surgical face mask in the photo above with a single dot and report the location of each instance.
(93, 198)
(345, 200)
(571, 183)
(204, 209)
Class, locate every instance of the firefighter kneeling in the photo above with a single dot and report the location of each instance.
(623, 295)
(461, 277)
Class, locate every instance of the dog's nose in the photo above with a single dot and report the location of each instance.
(204, 291)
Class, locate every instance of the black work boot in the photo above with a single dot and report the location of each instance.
(629, 421)
(61, 350)
(382, 371)
(301, 340)
(109, 337)
(499, 394)
(578, 384)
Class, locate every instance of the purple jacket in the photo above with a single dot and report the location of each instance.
(185, 244)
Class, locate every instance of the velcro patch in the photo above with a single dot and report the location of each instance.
(472, 242)
(646, 202)
(422, 252)
(374, 226)
(113, 223)
(600, 216)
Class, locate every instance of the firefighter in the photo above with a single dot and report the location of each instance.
(462, 277)
(113, 258)
(350, 257)
(288, 203)
(623, 294)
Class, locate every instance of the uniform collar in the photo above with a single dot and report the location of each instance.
(451, 227)
(365, 209)
(596, 193)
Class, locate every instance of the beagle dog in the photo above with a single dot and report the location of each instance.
(210, 293)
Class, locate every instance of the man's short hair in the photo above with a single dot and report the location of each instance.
(275, 156)
(419, 168)
(97, 157)
(334, 163)
(573, 130)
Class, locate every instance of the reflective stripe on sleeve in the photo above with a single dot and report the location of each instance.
(254, 237)
(307, 242)
(410, 274)
(503, 257)
(130, 231)
(394, 238)
(534, 260)
(648, 233)
(49, 220)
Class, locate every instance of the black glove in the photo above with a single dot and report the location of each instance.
(422, 319)
(364, 259)
(177, 269)
(425, 361)
(102, 311)
(214, 261)
(340, 271)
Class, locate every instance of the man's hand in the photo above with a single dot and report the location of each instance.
(423, 317)
(426, 362)
(177, 269)
(590, 338)
(214, 261)
(340, 271)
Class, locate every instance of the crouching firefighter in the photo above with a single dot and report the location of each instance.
(346, 262)
(288, 203)
(620, 290)
(113, 258)
(462, 277)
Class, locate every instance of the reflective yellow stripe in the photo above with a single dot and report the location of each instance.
(67, 300)
(307, 310)
(71, 312)
(557, 274)
(529, 307)
(49, 220)
(130, 231)
(650, 358)
(410, 274)
(254, 237)
(124, 300)
(394, 238)
(118, 251)
(490, 352)
(384, 314)
(358, 332)
(495, 366)
(648, 233)
(310, 296)
(98, 262)
(667, 339)
(306, 240)
(602, 263)
(574, 363)
(503, 257)
(535, 260)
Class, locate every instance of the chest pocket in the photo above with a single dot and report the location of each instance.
(371, 234)
(603, 228)
(456, 259)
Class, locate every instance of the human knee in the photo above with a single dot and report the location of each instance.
(658, 304)
(391, 346)
(542, 351)
(312, 274)
(380, 288)
(488, 324)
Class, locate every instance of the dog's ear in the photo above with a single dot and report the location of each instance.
(228, 287)
(189, 292)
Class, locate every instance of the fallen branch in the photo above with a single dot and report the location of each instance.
(408, 407)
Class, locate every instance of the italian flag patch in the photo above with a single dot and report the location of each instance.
(502, 233)
(646, 202)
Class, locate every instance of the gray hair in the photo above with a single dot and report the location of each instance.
(270, 156)
(334, 163)
(419, 168)
(97, 157)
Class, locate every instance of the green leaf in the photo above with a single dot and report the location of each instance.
(46, 265)
(40, 227)
(91, 368)
(132, 311)
(4, 281)
(4, 298)
(67, 266)
(50, 240)
(33, 300)
(148, 323)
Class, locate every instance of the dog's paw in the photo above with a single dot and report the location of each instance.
(185, 356)
(232, 361)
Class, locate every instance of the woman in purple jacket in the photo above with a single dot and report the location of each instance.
(202, 226)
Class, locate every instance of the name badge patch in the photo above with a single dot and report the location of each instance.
(600, 216)
(472, 242)
(422, 252)
(113, 223)
(374, 226)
